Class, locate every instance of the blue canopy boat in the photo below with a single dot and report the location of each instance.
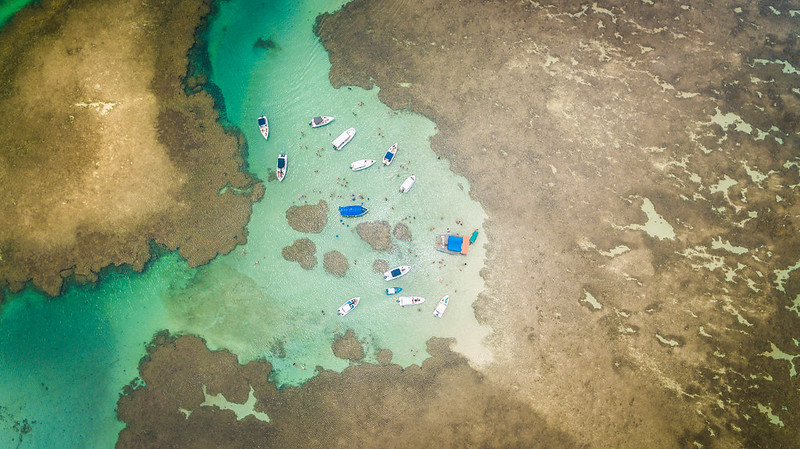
(452, 244)
(352, 211)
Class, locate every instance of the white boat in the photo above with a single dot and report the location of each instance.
(410, 300)
(441, 307)
(348, 306)
(407, 184)
(389, 157)
(316, 122)
(280, 170)
(344, 138)
(263, 126)
(395, 273)
(361, 164)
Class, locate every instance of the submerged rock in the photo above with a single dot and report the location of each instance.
(302, 252)
(309, 217)
(401, 232)
(347, 347)
(128, 162)
(380, 266)
(384, 356)
(376, 233)
(335, 263)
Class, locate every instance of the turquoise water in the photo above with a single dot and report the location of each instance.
(9, 7)
(64, 361)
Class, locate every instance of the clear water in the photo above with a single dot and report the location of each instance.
(64, 361)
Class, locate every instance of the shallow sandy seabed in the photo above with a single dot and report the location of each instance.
(638, 164)
(103, 152)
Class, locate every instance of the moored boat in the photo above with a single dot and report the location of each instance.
(316, 122)
(348, 306)
(280, 169)
(441, 307)
(408, 183)
(389, 157)
(452, 244)
(393, 290)
(361, 164)
(352, 211)
(473, 237)
(344, 138)
(263, 126)
(410, 300)
(395, 273)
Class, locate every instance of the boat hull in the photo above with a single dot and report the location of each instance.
(393, 290)
(344, 138)
(452, 244)
(316, 122)
(280, 169)
(263, 126)
(348, 306)
(410, 300)
(389, 157)
(352, 211)
(408, 183)
(395, 273)
(441, 307)
(361, 164)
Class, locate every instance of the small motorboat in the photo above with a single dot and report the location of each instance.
(410, 300)
(352, 211)
(389, 157)
(393, 290)
(348, 306)
(344, 138)
(395, 273)
(263, 126)
(361, 164)
(452, 244)
(407, 184)
(441, 307)
(473, 237)
(316, 122)
(280, 170)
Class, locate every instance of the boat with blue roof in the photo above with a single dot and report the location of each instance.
(389, 157)
(353, 211)
(263, 126)
(452, 244)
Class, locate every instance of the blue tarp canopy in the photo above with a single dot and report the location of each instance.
(262, 121)
(389, 156)
(454, 243)
(352, 211)
(281, 162)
